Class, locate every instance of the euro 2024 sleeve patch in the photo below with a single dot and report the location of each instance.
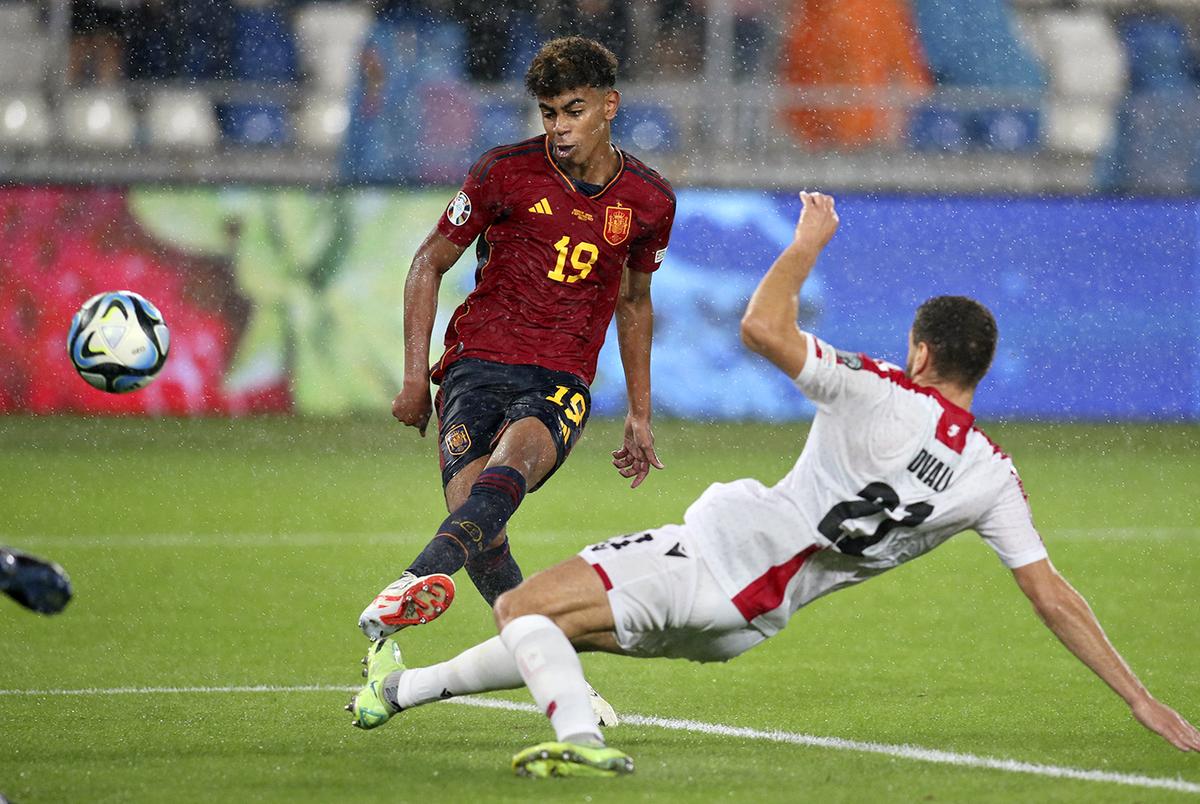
(459, 209)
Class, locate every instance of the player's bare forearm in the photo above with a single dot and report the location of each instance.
(635, 334)
(635, 329)
(1068, 616)
(769, 324)
(435, 256)
(413, 406)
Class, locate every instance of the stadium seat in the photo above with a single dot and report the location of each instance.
(321, 122)
(933, 127)
(253, 123)
(1159, 57)
(1087, 69)
(17, 18)
(24, 120)
(264, 51)
(1009, 130)
(22, 57)
(98, 118)
(645, 128)
(181, 119)
(328, 38)
(1083, 54)
(975, 44)
(980, 46)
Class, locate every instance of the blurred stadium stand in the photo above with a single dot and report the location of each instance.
(1059, 96)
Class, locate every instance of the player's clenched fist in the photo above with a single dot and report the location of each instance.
(412, 406)
(818, 220)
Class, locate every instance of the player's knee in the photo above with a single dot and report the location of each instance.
(509, 606)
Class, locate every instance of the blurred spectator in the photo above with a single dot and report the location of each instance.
(606, 21)
(98, 32)
(679, 50)
(863, 51)
(502, 36)
(411, 114)
(181, 39)
(751, 26)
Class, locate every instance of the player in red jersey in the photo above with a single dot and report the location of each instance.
(569, 230)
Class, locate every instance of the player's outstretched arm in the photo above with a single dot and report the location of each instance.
(1068, 615)
(769, 324)
(413, 406)
(635, 328)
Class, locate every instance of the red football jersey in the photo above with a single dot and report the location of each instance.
(550, 257)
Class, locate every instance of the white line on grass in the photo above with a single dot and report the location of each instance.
(208, 540)
(285, 540)
(913, 752)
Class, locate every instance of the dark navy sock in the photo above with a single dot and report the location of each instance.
(494, 572)
(472, 526)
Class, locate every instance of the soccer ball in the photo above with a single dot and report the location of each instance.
(118, 341)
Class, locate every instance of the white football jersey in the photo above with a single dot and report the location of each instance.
(890, 470)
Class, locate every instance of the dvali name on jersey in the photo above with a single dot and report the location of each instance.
(889, 471)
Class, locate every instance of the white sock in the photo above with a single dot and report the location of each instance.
(553, 674)
(487, 666)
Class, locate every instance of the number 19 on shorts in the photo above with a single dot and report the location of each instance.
(574, 409)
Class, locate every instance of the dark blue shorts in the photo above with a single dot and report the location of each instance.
(479, 398)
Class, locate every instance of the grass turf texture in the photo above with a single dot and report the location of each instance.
(214, 553)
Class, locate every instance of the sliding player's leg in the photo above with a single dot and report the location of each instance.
(569, 592)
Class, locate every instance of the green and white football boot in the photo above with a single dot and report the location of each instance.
(548, 760)
(368, 706)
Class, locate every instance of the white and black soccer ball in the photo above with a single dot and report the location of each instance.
(118, 341)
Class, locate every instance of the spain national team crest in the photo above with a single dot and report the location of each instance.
(617, 222)
(458, 440)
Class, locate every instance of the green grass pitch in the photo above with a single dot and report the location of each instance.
(212, 556)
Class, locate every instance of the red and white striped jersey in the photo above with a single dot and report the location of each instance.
(890, 470)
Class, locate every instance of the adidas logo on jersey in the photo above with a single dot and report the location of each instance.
(542, 207)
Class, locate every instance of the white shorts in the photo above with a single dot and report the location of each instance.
(665, 600)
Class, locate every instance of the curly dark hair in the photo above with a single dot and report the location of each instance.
(570, 62)
(961, 334)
